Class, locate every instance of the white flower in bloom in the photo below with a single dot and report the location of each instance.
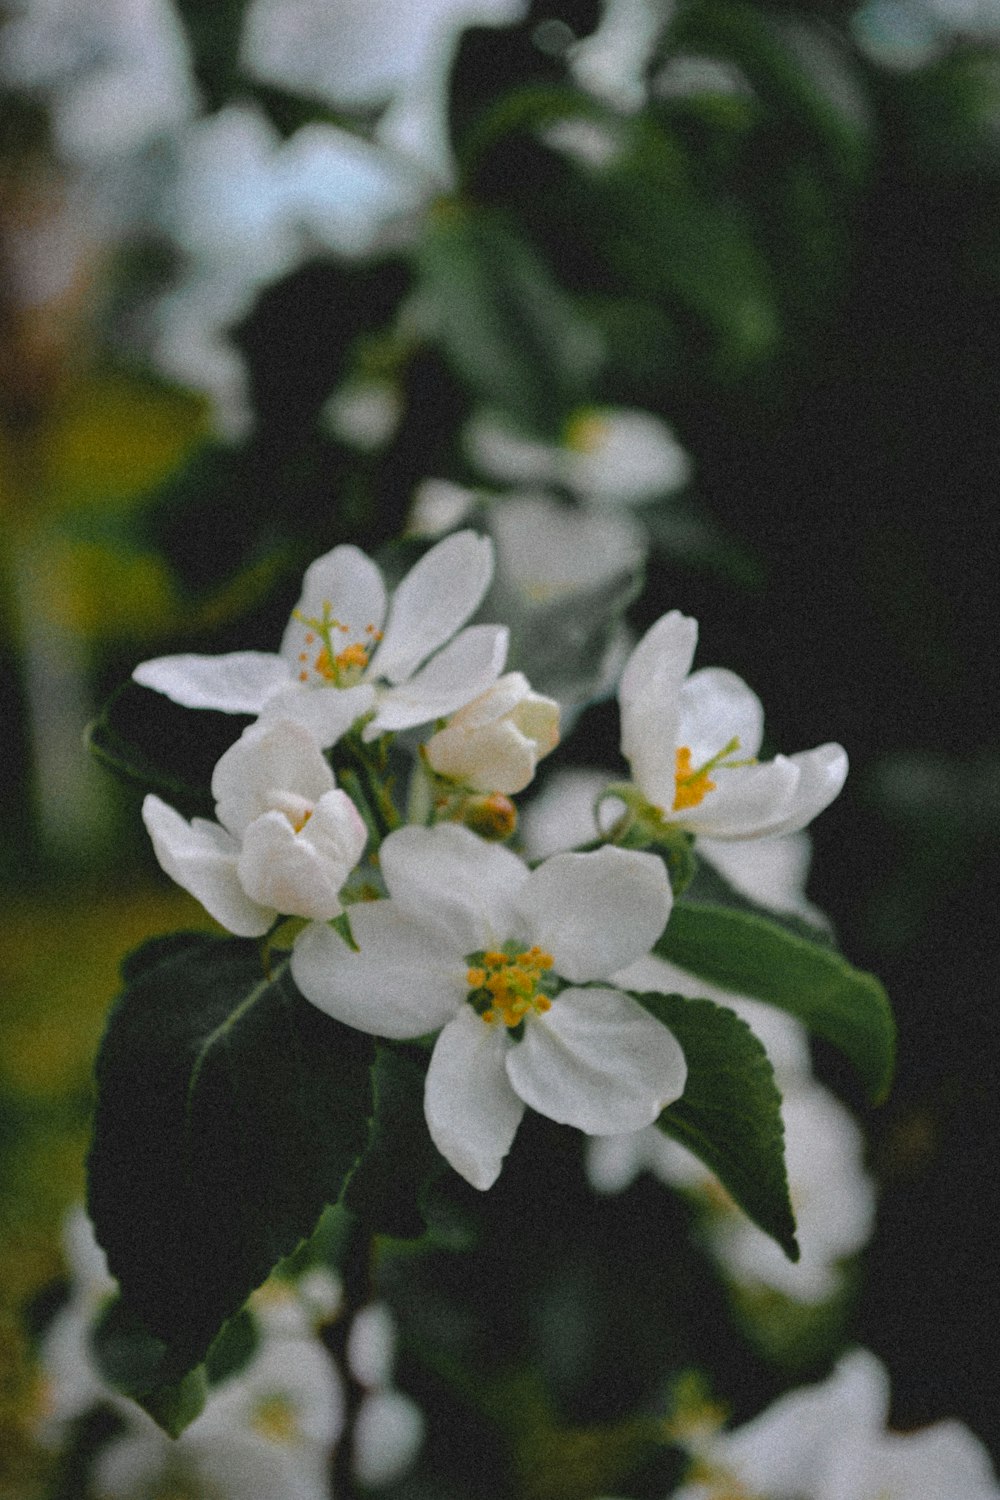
(828, 1442)
(286, 840)
(341, 658)
(608, 456)
(473, 941)
(692, 742)
(494, 743)
(612, 61)
(265, 1432)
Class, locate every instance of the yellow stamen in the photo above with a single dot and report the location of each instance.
(352, 656)
(585, 432)
(692, 787)
(511, 983)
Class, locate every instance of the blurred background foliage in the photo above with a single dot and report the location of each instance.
(789, 248)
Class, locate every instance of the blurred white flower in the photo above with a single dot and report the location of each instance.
(692, 742)
(832, 1196)
(265, 1434)
(494, 743)
(337, 664)
(608, 456)
(829, 1442)
(472, 941)
(286, 840)
(115, 73)
(71, 1383)
(389, 1426)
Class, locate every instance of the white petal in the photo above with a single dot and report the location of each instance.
(201, 857)
(596, 912)
(649, 696)
(494, 759)
(400, 984)
(237, 683)
(351, 585)
(941, 1462)
(327, 712)
(716, 705)
(822, 773)
(301, 874)
(465, 668)
(472, 1111)
(598, 1061)
(269, 759)
(388, 1431)
(433, 601)
(748, 801)
(467, 888)
(771, 871)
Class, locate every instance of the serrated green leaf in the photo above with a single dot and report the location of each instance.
(507, 328)
(752, 955)
(145, 739)
(229, 1112)
(729, 1114)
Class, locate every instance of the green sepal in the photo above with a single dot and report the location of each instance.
(729, 1114)
(642, 826)
(755, 956)
(229, 1112)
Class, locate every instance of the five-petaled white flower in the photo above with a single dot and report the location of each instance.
(346, 635)
(473, 941)
(494, 743)
(286, 840)
(692, 740)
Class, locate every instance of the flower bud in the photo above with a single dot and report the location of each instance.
(493, 817)
(494, 743)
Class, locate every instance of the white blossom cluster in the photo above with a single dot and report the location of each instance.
(518, 970)
(267, 1430)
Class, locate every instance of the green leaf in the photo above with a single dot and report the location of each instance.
(229, 1112)
(400, 1155)
(508, 330)
(141, 1366)
(753, 955)
(144, 738)
(730, 1112)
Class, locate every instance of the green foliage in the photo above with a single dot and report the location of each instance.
(229, 1112)
(507, 328)
(752, 955)
(400, 1154)
(730, 1112)
(145, 739)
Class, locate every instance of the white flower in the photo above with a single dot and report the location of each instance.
(692, 742)
(286, 840)
(473, 941)
(71, 1383)
(828, 1442)
(608, 456)
(494, 743)
(265, 1432)
(341, 658)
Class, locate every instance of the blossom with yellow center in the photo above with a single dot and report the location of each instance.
(394, 662)
(681, 730)
(472, 941)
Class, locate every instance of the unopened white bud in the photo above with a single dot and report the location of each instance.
(494, 743)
